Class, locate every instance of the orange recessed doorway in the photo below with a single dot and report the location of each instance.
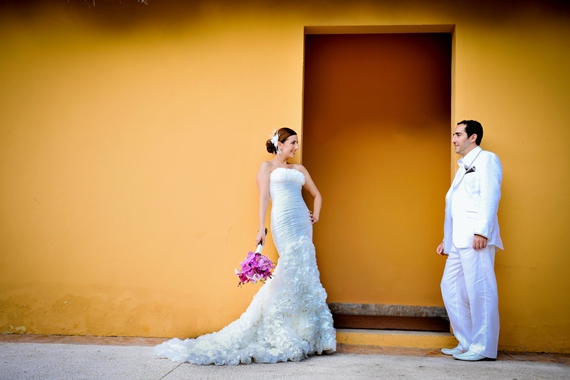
(376, 140)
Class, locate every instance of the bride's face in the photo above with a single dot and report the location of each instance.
(290, 146)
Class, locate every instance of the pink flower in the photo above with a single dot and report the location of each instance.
(256, 267)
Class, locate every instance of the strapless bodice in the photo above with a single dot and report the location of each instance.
(289, 213)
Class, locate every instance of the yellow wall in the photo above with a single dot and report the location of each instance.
(130, 136)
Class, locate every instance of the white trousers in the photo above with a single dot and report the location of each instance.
(469, 290)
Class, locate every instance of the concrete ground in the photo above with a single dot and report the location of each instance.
(52, 357)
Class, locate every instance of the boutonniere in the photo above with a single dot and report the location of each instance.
(469, 170)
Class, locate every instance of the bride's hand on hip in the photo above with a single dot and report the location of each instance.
(314, 218)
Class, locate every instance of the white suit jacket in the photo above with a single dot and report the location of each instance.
(472, 202)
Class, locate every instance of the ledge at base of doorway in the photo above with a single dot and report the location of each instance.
(395, 338)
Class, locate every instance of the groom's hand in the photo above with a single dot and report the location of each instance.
(439, 250)
(479, 242)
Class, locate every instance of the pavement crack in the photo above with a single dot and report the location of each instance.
(169, 372)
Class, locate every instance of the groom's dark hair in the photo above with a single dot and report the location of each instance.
(473, 127)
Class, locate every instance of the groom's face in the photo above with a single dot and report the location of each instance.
(462, 143)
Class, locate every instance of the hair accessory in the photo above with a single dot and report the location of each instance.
(274, 140)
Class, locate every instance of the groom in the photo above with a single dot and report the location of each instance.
(471, 238)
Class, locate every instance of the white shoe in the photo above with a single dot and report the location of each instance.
(452, 351)
(471, 356)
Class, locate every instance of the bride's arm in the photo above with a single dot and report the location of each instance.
(312, 189)
(263, 187)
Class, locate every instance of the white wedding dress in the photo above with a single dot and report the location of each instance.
(288, 318)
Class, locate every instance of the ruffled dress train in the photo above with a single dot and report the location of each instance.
(288, 319)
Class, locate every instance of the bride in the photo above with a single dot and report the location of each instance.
(288, 318)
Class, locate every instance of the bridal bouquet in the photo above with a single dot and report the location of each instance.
(256, 267)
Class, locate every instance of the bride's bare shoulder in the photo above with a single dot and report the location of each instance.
(266, 167)
(300, 168)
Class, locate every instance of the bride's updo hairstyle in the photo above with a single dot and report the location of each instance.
(283, 133)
